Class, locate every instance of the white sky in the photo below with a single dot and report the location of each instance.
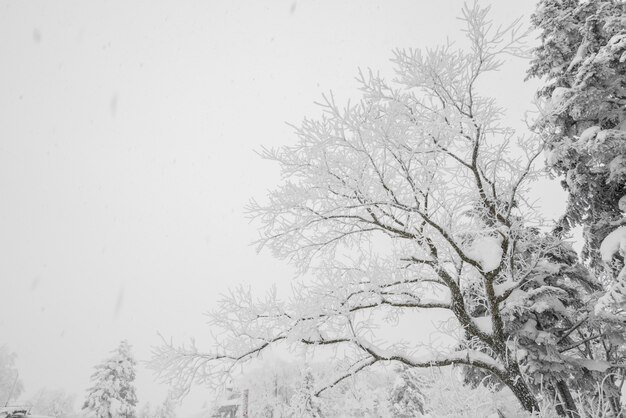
(127, 132)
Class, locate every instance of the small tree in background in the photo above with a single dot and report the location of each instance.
(113, 394)
(407, 397)
(304, 402)
(10, 385)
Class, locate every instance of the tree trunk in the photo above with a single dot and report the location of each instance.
(569, 406)
(521, 391)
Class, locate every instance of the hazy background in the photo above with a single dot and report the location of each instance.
(127, 132)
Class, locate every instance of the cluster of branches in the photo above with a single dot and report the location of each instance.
(412, 200)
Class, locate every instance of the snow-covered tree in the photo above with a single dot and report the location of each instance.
(407, 397)
(271, 384)
(10, 385)
(413, 200)
(304, 403)
(582, 58)
(55, 403)
(364, 395)
(113, 393)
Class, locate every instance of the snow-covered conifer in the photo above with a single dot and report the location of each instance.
(407, 398)
(582, 59)
(113, 393)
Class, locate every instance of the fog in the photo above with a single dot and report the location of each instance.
(127, 139)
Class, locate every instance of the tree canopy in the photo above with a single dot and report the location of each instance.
(414, 199)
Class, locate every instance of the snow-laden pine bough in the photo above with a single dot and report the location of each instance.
(414, 200)
(582, 62)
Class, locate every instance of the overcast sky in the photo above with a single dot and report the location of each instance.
(127, 138)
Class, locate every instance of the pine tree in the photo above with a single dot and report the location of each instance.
(113, 394)
(407, 399)
(582, 60)
(581, 57)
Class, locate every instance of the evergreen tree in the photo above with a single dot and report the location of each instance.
(582, 60)
(407, 399)
(113, 394)
(581, 57)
